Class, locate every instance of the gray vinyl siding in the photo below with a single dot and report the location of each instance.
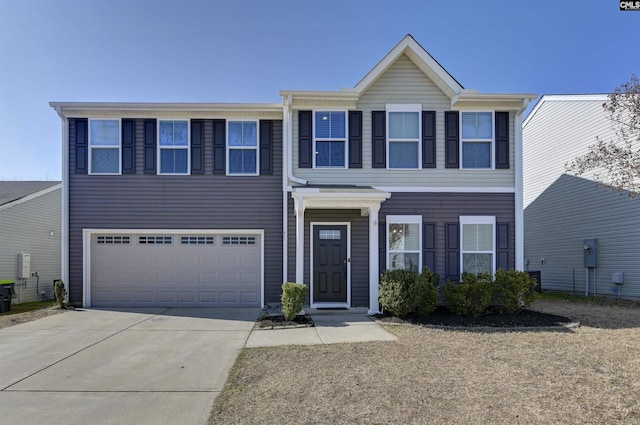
(562, 210)
(404, 83)
(438, 208)
(573, 209)
(26, 227)
(144, 201)
(442, 208)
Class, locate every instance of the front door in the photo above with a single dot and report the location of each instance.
(330, 264)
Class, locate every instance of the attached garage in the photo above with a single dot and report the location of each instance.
(173, 268)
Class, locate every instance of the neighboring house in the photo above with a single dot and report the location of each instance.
(561, 210)
(219, 204)
(30, 223)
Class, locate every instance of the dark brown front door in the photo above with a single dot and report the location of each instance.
(329, 264)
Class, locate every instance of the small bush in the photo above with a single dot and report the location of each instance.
(427, 298)
(403, 292)
(397, 292)
(471, 297)
(293, 296)
(60, 293)
(513, 291)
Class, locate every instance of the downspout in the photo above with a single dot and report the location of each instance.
(519, 195)
(287, 177)
(65, 201)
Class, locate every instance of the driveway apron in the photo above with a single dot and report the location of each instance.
(132, 366)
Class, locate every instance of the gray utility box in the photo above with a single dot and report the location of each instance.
(590, 247)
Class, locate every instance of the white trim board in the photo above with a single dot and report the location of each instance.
(31, 196)
(436, 189)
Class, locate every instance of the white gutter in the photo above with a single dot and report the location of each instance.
(65, 200)
(519, 187)
(288, 119)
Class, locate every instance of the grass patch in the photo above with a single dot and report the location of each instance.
(593, 300)
(28, 306)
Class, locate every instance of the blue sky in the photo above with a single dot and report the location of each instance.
(247, 51)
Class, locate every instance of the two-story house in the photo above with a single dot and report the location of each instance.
(218, 204)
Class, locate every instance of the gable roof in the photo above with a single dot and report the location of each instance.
(567, 98)
(11, 191)
(421, 58)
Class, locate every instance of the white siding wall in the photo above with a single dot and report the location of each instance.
(26, 227)
(404, 83)
(562, 210)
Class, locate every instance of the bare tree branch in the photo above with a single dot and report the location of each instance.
(616, 163)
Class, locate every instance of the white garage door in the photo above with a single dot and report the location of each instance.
(173, 269)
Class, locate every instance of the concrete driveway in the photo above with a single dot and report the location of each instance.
(133, 366)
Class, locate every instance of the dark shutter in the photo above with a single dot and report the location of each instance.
(81, 136)
(378, 139)
(502, 139)
(382, 247)
(219, 147)
(428, 139)
(355, 139)
(429, 245)
(266, 147)
(452, 249)
(452, 139)
(197, 146)
(305, 144)
(502, 245)
(150, 146)
(128, 146)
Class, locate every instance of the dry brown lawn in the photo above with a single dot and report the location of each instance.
(431, 376)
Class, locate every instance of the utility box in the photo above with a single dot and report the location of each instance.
(617, 278)
(24, 265)
(590, 248)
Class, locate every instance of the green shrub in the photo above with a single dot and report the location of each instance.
(427, 298)
(403, 292)
(471, 297)
(293, 296)
(512, 291)
(60, 293)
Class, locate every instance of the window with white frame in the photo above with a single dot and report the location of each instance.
(403, 136)
(330, 138)
(477, 234)
(404, 244)
(477, 139)
(174, 147)
(104, 143)
(242, 148)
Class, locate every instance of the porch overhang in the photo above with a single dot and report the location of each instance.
(366, 199)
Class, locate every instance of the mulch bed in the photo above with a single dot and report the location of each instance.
(443, 317)
(279, 321)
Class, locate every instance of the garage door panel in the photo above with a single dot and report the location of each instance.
(203, 271)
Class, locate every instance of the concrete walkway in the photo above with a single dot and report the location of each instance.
(141, 366)
(331, 327)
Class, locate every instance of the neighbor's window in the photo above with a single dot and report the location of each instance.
(330, 136)
(242, 148)
(477, 139)
(403, 136)
(174, 147)
(104, 143)
(478, 244)
(404, 242)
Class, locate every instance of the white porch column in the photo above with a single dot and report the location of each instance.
(374, 263)
(299, 207)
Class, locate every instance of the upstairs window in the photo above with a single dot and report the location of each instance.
(104, 143)
(478, 244)
(403, 136)
(330, 136)
(477, 140)
(174, 147)
(242, 148)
